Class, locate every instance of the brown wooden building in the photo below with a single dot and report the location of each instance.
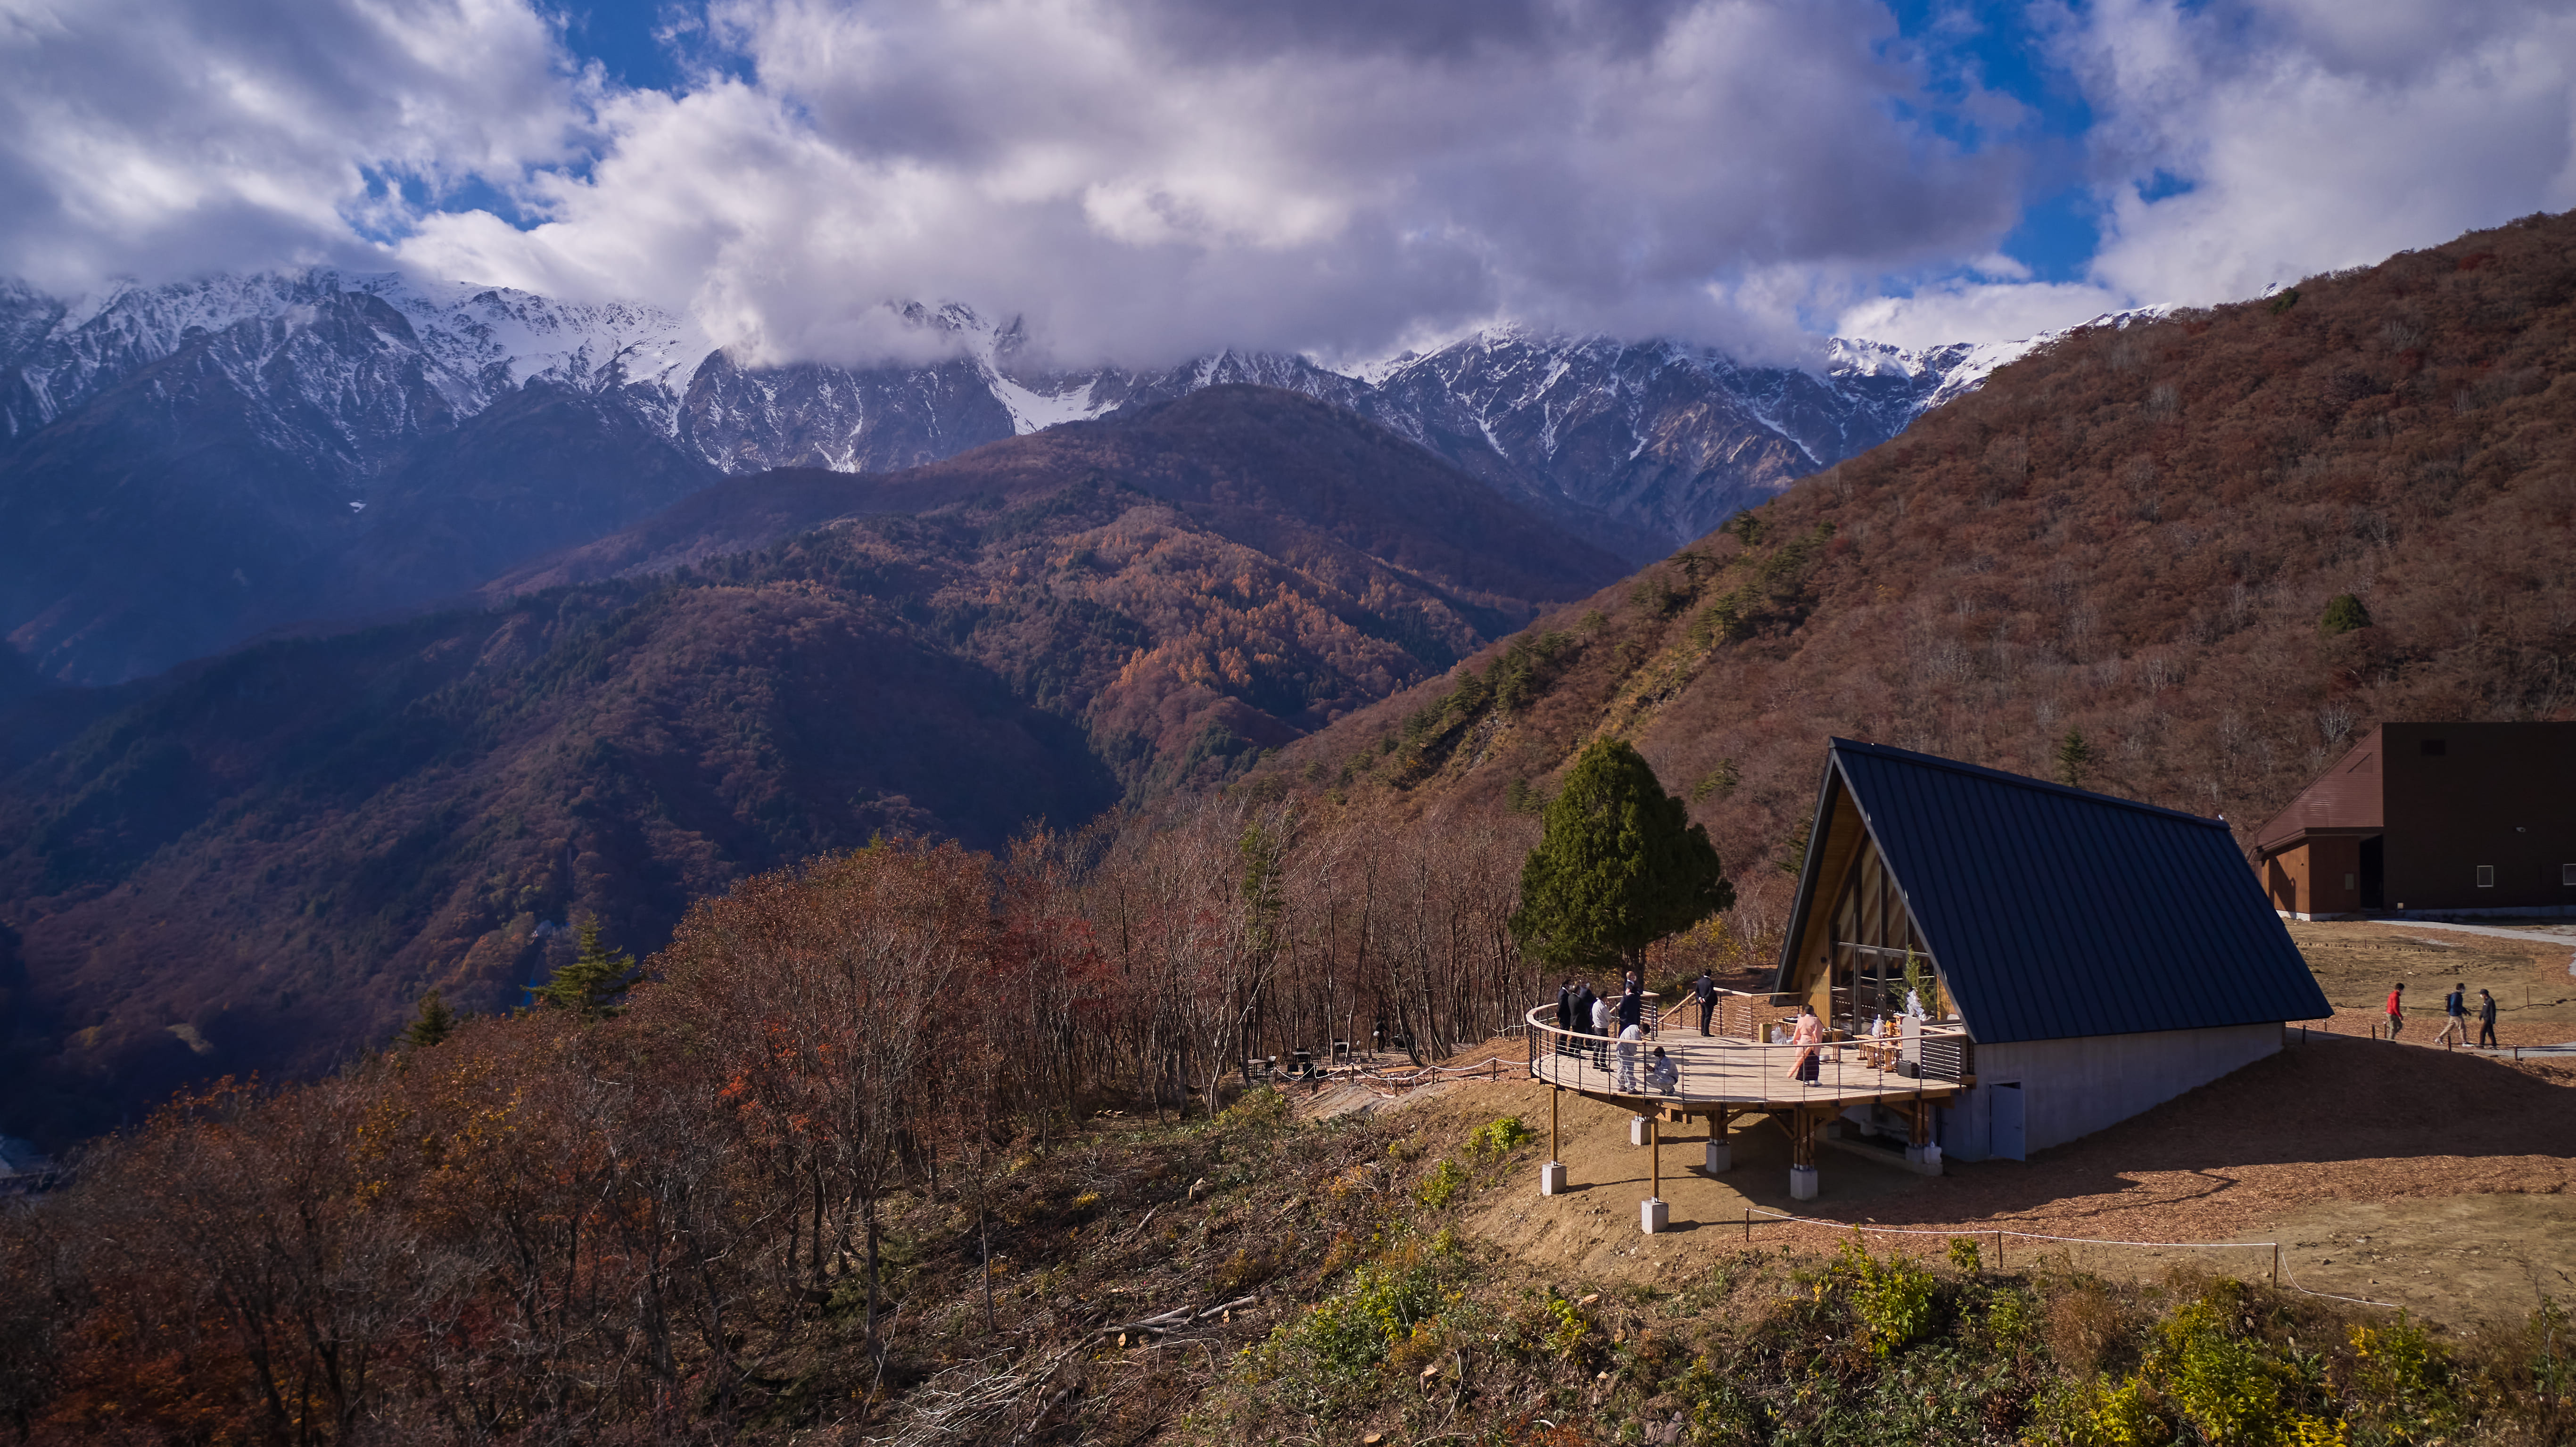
(2443, 818)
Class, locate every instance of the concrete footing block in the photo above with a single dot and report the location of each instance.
(1802, 1183)
(1551, 1179)
(1636, 1130)
(1653, 1216)
(1721, 1157)
(1923, 1160)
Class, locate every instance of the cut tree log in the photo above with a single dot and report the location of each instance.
(1177, 1317)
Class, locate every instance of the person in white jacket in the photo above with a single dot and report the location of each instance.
(1628, 1037)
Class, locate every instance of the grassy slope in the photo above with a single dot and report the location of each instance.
(1375, 1312)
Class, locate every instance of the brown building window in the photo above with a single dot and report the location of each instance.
(2486, 876)
(2436, 748)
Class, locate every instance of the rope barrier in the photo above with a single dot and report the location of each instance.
(2279, 1259)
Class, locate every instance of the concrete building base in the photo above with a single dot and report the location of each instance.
(1636, 1130)
(1802, 1183)
(1551, 1179)
(1653, 1216)
(1721, 1157)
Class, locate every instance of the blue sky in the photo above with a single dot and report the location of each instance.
(1148, 179)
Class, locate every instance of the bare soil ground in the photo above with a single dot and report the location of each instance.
(2436, 1181)
(2357, 962)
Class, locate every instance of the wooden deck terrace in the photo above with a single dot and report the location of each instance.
(1720, 1078)
(1715, 1071)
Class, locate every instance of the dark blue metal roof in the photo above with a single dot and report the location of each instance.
(2054, 912)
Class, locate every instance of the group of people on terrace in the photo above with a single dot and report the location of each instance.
(1627, 1020)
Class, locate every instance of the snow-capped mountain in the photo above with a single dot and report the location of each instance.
(288, 445)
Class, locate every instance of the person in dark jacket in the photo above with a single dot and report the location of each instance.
(1584, 1000)
(1564, 1013)
(1632, 1004)
(2455, 1015)
(1706, 990)
(2486, 1020)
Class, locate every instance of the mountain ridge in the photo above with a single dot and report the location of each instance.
(343, 381)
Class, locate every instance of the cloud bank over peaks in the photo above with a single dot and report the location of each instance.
(1146, 180)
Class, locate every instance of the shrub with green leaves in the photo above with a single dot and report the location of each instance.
(1442, 1185)
(1347, 1334)
(1499, 1138)
(1893, 1298)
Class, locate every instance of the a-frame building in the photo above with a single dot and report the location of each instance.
(2104, 955)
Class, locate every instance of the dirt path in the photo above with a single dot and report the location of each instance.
(2458, 1169)
(2356, 963)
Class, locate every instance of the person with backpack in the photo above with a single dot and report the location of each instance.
(2455, 1014)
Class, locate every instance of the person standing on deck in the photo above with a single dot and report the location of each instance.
(1565, 1014)
(1601, 1026)
(1629, 1035)
(1632, 1004)
(2486, 1020)
(2397, 1009)
(2455, 1014)
(1809, 1035)
(1706, 989)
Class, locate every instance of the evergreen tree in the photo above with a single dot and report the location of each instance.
(592, 982)
(2074, 758)
(2344, 614)
(434, 1023)
(1620, 866)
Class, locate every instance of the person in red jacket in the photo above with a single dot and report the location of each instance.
(2397, 1009)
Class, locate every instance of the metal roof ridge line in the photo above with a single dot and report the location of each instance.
(1960, 766)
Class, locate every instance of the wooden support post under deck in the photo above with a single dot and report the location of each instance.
(1655, 1158)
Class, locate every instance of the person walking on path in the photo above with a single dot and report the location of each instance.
(2397, 1009)
(1809, 1035)
(2455, 1014)
(2486, 1020)
(1706, 989)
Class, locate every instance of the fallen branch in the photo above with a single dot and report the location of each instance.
(1177, 1317)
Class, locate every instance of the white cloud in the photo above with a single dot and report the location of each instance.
(1972, 311)
(1145, 182)
(2319, 135)
(156, 139)
(1144, 179)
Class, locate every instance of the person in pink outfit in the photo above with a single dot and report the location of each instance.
(1809, 1035)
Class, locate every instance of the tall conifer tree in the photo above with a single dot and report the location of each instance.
(594, 979)
(1621, 866)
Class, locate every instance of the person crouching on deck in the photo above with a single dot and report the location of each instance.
(1809, 1035)
(1662, 1074)
(1629, 1035)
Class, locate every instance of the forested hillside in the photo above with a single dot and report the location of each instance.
(263, 862)
(2119, 562)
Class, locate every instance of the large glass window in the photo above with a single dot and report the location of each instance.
(1874, 937)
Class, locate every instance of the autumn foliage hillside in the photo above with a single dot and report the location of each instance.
(262, 863)
(2121, 558)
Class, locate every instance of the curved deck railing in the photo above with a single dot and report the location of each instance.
(1715, 1070)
